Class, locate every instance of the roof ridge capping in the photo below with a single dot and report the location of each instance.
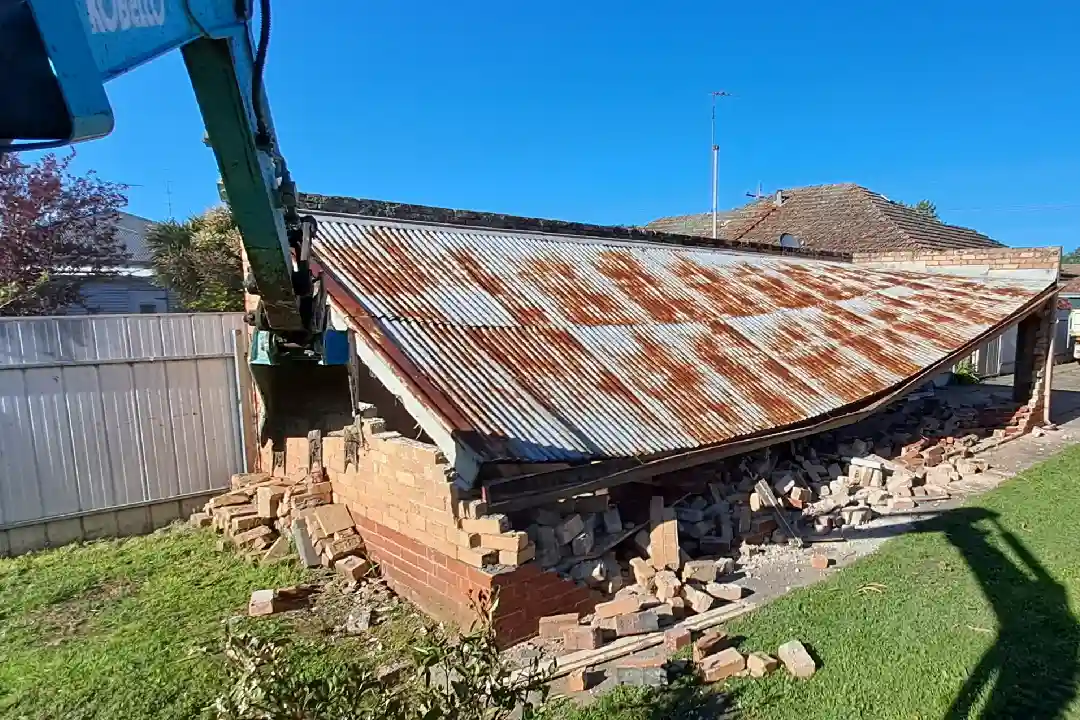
(383, 209)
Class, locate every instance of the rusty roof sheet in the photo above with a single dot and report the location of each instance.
(549, 347)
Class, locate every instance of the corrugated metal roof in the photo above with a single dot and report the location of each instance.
(566, 348)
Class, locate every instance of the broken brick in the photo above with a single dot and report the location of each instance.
(819, 561)
(712, 641)
(698, 600)
(699, 570)
(352, 567)
(724, 591)
(760, 664)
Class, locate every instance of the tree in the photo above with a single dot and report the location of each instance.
(927, 208)
(200, 260)
(57, 230)
(1071, 258)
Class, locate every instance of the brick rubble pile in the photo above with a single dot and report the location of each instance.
(261, 513)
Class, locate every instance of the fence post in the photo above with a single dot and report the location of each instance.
(244, 386)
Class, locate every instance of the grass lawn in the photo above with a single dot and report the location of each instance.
(131, 629)
(974, 616)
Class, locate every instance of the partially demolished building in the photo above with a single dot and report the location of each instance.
(525, 390)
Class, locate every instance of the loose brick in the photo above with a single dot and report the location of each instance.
(800, 494)
(255, 539)
(628, 604)
(579, 680)
(760, 664)
(663, 535)
(699, 570)
(819, 561)
(568, 529)
(337, 549)
(477, 558)
(512, 541)
(667, 585)
(724, 591)
(712, 641)
(796, 659)
(242, 480)
(612, 521)
(543, 516)
(552, 626)
(676, 639)
(263, 602)
(643, 572)
(487, 525)
(244, 522)
(199, 520)
(583, 543)
(698, 600)
(517, 557)
(332, 519)
(231, 498)
(636, 623)
(722, 665)
(267, 499)
(581, 637)
(352, 567)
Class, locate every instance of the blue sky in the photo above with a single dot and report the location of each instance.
(599, 111)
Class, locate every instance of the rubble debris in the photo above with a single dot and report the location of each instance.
(796, 659)
(268, 602)
(259, 512)
(553, 626)
(818, 561)
(358, 621)
(642, 671)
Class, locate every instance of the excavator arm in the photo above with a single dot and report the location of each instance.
(56, 56)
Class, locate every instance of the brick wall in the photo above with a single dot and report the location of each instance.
(401, 497)
(1044, 258)
(1034, 366)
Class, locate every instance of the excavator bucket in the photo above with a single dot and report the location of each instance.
(301, 393)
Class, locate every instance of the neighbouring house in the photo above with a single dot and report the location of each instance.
(849, 218)
(131, 289)
(534, 361)
(1069, 292)
(844, 217)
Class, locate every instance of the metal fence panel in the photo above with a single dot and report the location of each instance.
(102, 412)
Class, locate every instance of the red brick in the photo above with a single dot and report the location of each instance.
(676, 639)
(581, 637)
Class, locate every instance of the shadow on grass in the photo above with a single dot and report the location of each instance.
(1031, 670)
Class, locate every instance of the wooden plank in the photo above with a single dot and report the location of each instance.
(249, 426)
(629, 645)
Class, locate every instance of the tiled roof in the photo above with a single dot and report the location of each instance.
(842, 218)
(538, 346)
(1070, 279)
(697, 224)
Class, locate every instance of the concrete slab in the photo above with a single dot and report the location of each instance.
(165, 513)
(27, 539)
(5, 546)
(99, 525)
(133, 521)
(62, 532)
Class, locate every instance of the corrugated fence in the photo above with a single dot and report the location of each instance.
(111, 411)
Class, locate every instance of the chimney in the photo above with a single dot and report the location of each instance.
(779, 198)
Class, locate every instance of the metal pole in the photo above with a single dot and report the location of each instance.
(715, 160)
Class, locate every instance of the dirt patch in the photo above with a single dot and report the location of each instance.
(69, 619)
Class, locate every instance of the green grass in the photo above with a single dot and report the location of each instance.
(973, 616)
(131, 629)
